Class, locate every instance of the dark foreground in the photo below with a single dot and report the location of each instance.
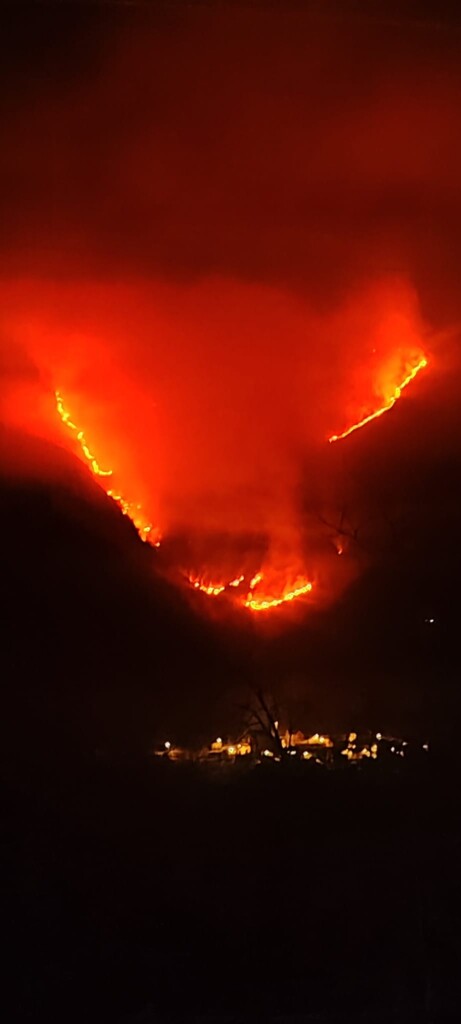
(157, 892)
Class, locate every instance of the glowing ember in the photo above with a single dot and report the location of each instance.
(388, 405)
(134, 511)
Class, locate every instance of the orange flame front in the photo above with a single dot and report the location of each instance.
(388, 405)
(65, 416)
(255, 602)
(265, 590)
(146, 530)
(212, 589)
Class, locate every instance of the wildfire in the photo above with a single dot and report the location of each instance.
(264, 591)
(237, 581)
(65, 416)
(388, 405)
(146, 530)
(255, 602)
(212, 589)
(262, 604)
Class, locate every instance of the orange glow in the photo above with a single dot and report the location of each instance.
(393, 398)
(266, 590)
(145, 529)
(323, 741)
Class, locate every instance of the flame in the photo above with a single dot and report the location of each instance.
(145, 529)
(236, 583)
(256, 603)
(258, 598)
(388, 405)
(148, 533)
(65, 416)
(210, 589)
(264, 603)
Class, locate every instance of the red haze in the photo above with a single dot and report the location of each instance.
(226, 232)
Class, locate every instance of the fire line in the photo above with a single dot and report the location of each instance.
(147, 532)
(263, 604)
(257, 598)
(145, 529)
(384, 408)
(252, 601)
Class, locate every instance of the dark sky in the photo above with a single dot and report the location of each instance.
(220, 227)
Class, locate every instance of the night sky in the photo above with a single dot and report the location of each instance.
(225, 230)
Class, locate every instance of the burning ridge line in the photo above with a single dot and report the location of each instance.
(145, 529)
(254, 601)
(384, 408)
(251, 600)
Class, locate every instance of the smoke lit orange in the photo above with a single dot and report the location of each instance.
(253, 601)
(388, 405)
(264, 591)
(213, 589)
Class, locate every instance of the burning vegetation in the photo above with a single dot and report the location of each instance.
(393, 397)
(134, 511)
(265, 590)
(214, 314)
